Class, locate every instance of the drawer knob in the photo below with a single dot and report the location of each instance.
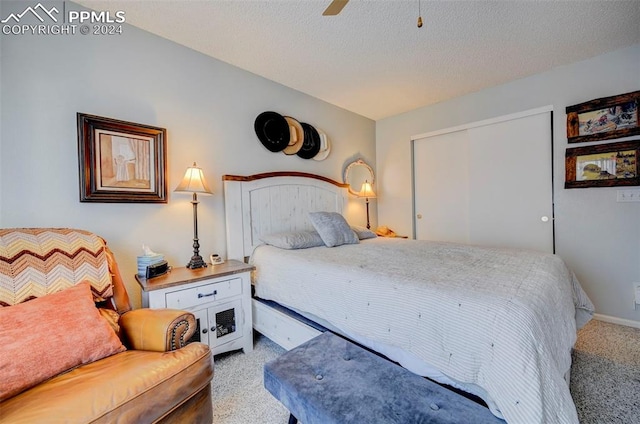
(213, 293)
(204, 331)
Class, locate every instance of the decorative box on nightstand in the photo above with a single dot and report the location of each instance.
(219, 296)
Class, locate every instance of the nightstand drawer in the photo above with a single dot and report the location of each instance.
(187, 298)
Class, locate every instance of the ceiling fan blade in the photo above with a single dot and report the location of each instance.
(335, 7)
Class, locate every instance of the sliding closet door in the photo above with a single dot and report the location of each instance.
(488, 185)
(511, 188)
(441, 174)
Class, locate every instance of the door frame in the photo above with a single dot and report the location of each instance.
(477, 124)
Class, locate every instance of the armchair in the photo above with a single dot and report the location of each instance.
(73, 349)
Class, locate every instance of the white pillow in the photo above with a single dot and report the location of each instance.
(333, 228)
(293, 240)
(363, 233)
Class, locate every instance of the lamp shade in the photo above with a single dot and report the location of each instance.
(193, 181)
(366, 191)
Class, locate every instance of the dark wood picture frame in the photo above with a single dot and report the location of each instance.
(121, 162)
(599, 158)
(599, 118)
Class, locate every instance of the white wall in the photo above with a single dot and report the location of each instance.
(597, 237)
(208, 108)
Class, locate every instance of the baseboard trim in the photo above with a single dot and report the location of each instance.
(614, 320)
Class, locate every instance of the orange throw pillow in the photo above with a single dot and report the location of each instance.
(46, 336)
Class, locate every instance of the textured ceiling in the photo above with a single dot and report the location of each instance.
(372, 59)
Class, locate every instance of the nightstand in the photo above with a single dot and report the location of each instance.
(219, 296)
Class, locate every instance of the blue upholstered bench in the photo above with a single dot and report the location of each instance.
(330, 380)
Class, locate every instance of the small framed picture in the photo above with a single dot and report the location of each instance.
(120, 161)
(603, 165)
(603, 119)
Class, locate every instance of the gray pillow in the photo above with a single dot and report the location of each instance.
(363, 233)
(333, 228)
(293, 240)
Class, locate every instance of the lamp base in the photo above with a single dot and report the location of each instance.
(196, 262)
(368, 224)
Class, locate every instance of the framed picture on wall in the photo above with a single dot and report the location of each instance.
(121, 162)
(604, 119)
(603, 165)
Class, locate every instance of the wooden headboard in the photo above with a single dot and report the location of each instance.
(275, 202)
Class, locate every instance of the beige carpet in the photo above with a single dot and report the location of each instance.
(605, 379)
(239, 396)
(605, 375)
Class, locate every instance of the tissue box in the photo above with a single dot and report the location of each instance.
(145, 261)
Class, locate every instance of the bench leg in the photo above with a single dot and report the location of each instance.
(292, 419)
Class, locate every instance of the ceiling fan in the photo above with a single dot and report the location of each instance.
(335, 7)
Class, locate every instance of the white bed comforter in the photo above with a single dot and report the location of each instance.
(503, 320)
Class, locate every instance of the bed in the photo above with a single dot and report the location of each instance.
(499, 324)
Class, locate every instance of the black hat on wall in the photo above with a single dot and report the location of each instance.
(272, 130)
(311, 145)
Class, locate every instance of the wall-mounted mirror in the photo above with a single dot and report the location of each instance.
(356, 173)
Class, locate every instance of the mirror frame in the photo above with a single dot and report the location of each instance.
(345, 175)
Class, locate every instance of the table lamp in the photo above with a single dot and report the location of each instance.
(367, 192)
(194, 182)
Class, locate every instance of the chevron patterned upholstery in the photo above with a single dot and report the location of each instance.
(38, 261)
